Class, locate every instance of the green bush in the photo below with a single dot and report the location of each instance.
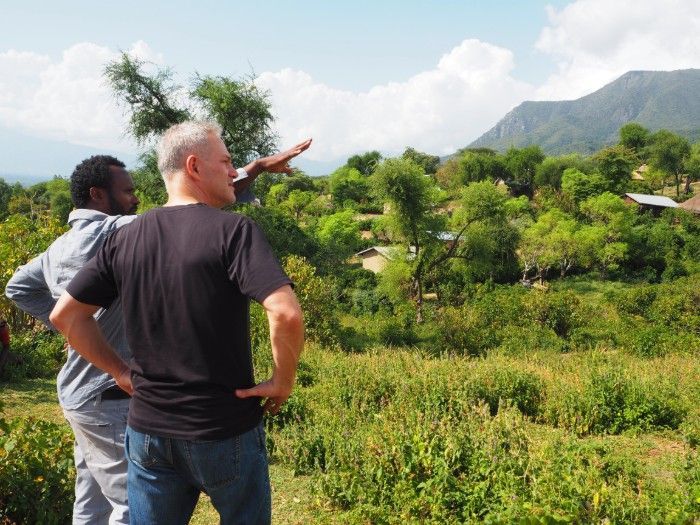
(612, 400)
(649, 341)
(498, 384)
(559, 311)
(36, 472)
(523, 340)
(41, 354)
(635, 301)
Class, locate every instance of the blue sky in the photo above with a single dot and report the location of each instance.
(356, 75)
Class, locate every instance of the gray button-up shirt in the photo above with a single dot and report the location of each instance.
(36, 286)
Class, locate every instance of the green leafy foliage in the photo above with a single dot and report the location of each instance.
(36, 472)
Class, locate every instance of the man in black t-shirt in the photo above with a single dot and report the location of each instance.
(185, 274)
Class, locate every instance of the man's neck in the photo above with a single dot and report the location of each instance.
(181, 193)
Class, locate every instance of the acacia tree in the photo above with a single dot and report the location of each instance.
(148, 97)
(244, 113)
(365, 162)
(522, 164)
(615, 164)
(411, 196)
(154, 103)
(669, 153)
(634, 136)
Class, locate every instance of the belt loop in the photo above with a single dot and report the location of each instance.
(97, 399)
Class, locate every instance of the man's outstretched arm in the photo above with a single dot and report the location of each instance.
(76, 322)
(278, 163)
(287, 339)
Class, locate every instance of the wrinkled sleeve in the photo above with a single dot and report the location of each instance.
(253, 265)
(27, 288)
(94, 283)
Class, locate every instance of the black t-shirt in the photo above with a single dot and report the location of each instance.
(185, 275)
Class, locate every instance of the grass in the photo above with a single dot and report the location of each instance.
(293, 502)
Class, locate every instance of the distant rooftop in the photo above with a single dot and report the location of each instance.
(652, 200)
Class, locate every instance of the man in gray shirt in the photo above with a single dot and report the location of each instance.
(96, 409)
(103, 194)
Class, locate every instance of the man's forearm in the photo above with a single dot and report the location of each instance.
(88, 340)
(287, 341)
(74, 320)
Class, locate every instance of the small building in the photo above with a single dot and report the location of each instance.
(692, 205)
(653, 203)
(376, 258)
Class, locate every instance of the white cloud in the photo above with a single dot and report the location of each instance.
(439, 110)
(66, 99)
(595, 41)
(436, 111)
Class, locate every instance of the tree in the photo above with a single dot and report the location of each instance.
(148, 97)
(550, 241)
(669, 153)
(365, 163)
(5, 196)
(339, 233)
(607, 239)
(348, 184)
(634, 136)
(244, 113)
(580, 186)
(429, 163)
(485, 241)
(297, 201)
(239, 107)
(692, 166)
(615, 164)
(403, 184)
(476, 166)
(522, 164)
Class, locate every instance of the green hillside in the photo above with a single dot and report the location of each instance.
(655, 99)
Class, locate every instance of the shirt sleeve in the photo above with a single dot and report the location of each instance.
(246, 195)
(253, 265)
(94, 283)
(28, 289)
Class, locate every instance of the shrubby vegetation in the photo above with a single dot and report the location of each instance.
(36, 472)
(529, 334)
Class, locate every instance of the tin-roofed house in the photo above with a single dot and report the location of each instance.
(376, 258)
(653, 203)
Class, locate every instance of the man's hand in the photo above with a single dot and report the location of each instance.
(123, 380)
(274, 395)
(279, 163)
(287, 339)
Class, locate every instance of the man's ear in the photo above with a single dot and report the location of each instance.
(98, 194)
(192, 167)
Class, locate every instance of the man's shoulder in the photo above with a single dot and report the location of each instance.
(225, 217)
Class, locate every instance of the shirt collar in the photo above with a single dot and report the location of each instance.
(85, 214)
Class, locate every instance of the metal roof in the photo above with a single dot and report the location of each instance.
(386, 251)
(652, 200)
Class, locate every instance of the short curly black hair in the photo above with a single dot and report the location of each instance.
(91, 172)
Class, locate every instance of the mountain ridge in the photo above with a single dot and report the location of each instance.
(655, 99)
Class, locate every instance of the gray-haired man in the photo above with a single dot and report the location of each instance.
(95, 407)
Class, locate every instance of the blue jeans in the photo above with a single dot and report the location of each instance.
(166, 476)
